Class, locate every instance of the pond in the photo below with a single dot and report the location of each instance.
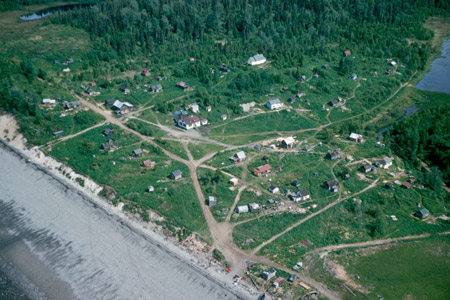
(50, 11)
(438, 79)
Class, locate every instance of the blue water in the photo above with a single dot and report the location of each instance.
(438, 79)
(50, 11)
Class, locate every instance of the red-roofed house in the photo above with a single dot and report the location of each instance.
(261, 170)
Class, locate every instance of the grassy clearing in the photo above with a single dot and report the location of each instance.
(175, 200)
(411, 270)
(174, 147)
(216, 184)
(199, 150)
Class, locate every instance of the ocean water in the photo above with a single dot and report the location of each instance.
(63, 247)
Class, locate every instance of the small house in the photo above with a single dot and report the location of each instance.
(208, 108)
(48, 101)
(262, 170)
(393, 63)
(284, 89)
(175, 175)
(406, 185)
(183, 85)
(108, 132)
(194, 108)
(267, 275)
(292, 278)
(423, 213)
(150, 189)
(145, 73)
(274, 104)
(389, 71)
(90, 91)
(273, 189)
(355, 137)
(191, 58)
(385, 163)
(332, 185)
(334, 103)
(346, 176)
(347, 53)
(254, 207)
(277, 282)
(108, 145)
(256, 60)
(335, 154)
(157, 88)
(137, 152)
(124, 89)
(148, 164)
(109, 102)
(295, 183)
(288, 143)
(234, 181)
(225, 69)
(242, 209)
(366, 168)
(304, 194)
(204, 122)
(223, 117)
(70, 105)
(353, 76)
(212, 201)
(325, 66)
(58, 133)
(238, 157)
(388, 185)
(122, 107)
(291, 100)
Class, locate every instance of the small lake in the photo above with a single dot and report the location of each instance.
(50, 11)
(438, 79)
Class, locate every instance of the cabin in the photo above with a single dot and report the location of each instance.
(137, 152)
(108, 132)
(148, 164)
(273, 189)
(274, 104)
(124, 89)
(212, 201)
(90, 91)
(288, 143)
(187, 121)
(204, 122)
(224, 69)
(238, 157)
(208, 108)
(335, 154)
(233, 181)
(254, 207)
(122, 107)
(157, 88)
(58, 133)
(150, 189)
(355, 137)
(262, 170)
(242, 209)
(347, 53)
(183, 85)
(258, 59)
(145, 73)
(267, 275)
(48, 101)
(108, 145)
(353, 76)
(332, 185)
(194, 108)
(366, 168)
(223, 117)
(334, 103)
(385, 163)
(291, 100)
(406, 185)
(292, 278)
(70, 105)
(175, 175)
(304, 194)
(109, 102)
(421, 214)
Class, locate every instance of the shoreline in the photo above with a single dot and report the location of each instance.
(148, 231)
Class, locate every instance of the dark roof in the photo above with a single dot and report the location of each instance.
(108, 131)
(332, 183)
(109, 101)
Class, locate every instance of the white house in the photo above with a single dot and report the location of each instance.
(288, 143)
(385, 163)
(49, 101)
(274, 104)
(393, 63)
(187, 121)
(274, 189)
(256, 60)
(194, 108)
(242, 209)
(356, 137)
(239, 156)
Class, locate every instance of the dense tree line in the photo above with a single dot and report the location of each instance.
(425, 136)
(284, 31)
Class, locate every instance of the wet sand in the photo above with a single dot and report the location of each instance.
(63, 246)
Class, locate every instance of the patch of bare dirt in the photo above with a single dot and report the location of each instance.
(339, 272)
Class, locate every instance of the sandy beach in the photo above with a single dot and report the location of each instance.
(70, 244)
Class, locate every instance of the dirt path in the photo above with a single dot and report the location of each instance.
(374, 242)
(236, 200)
(256, 250)
(67, 137)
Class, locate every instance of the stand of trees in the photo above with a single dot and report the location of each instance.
(425, 136)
